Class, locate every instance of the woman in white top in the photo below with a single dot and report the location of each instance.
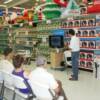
(6, 63)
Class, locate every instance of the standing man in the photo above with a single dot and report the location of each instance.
(75, 49)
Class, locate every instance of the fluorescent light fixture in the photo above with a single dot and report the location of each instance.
(18, 8)
(8, 1)
(3, 6)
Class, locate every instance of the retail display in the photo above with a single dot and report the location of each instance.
(88, 32)
(33, 39)
(36, 38)
(6, 38)
(45, 27)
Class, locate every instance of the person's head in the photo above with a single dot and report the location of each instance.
(41, 61)
(71, 32)
(18, 61)
(8, 52)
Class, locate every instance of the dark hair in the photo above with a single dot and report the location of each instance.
(7, 51)
(71, 31)
(17, 61)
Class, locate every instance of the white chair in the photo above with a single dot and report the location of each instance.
(42, 92)
(20, 84)
(8, 82)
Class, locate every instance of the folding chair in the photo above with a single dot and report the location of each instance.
(43, 92)
(19, 83)
(8, 83)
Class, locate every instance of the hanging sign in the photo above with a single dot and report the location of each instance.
(71, 10)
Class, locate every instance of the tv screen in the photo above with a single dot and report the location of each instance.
(56, 41)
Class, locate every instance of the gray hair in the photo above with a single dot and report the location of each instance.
(40, 60)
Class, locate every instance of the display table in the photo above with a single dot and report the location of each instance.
(56, 59)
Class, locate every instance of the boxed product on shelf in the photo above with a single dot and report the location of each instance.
(92, 33)
(91, 22)
(89, 64)
(86, 55)
(82, 55)
(90, 56)
(83, 23)
(79, 33)
(92, 44)
(77, 23)
(64, 24)
(85, 33)
(70, 23)
(83, 10)
(84, 44)
(82, 64)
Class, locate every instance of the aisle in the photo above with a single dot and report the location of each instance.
(87, 88)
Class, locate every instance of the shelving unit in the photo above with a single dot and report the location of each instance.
(6, 38)
(34, 40)
(24, 40)
(89, 37)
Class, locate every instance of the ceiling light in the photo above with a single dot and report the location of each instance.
(18, 8)
(8, 1)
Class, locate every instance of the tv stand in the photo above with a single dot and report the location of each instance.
(56, 59)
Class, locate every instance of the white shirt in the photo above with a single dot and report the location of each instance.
(75, 44)
(6, 66)
(42, 77)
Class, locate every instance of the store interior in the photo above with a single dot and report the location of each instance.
(41, 27)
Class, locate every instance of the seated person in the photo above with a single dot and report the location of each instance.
(42, 76)
(19, 71)
(6, 63)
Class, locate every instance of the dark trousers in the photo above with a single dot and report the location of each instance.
(61, 93)
(75, 64)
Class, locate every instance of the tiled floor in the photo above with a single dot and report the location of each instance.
(86, 88)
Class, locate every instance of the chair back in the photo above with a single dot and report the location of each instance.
(41, 91)
(8, 79)
(19, 82)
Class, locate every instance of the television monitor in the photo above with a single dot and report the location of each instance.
(56, 41)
